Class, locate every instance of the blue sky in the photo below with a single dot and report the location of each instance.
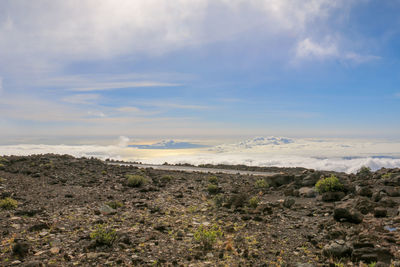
(199, 69)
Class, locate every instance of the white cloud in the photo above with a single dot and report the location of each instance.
(309, 49)
(121, 85)
(357, 58)
(83, 99)
(328, 49)
(76, 29)
(337, 155)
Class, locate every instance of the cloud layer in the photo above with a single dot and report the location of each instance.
(339, 155)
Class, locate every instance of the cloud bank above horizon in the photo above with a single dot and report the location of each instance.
(323, 154)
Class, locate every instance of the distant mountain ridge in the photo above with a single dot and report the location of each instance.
(169, 144)
(255, 142)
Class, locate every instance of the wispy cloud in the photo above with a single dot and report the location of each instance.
(329, 49)
(122, 85)
(169, 104)
(310, 49)
(83, 99)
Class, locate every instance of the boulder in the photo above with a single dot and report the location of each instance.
(311, 179)
(364, 191)
(387, 202)
(332, 196)
(380, 212)
(342, 214)
(337, 249)
(289, 202)
(369, 255)
(308, 192)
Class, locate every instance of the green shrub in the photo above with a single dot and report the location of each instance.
(329, 184)
(261, 184)
(212, 189)
(167, 178)
(103, 235)
(2, 180)
(364, 172)
(115, 204)
(372, 264)
(3, 160)
(238, 200)
(207, 236)
(8, 204)
(104, 172)
(386, 176)
(213, 179)
(135, 180)
(253, 202)
(2, 166)
(219, 200)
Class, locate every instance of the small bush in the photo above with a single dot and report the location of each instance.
(212, 189)
(135, 180)
(386, 176)
(103, 235)
(104, 172)
(213, 179)
(261, 184)
(364, 172)
(167, 178)
(8, 204)
(219, 200)
(238, 200)
(2, 166)
(115, 204)
(329, 184)
(253, 202)
(207, 236)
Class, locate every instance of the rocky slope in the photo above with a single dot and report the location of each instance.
(85, 212)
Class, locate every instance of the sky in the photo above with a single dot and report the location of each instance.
(73, 71)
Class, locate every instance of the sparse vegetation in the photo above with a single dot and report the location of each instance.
(207, 236)
(386, 176)
(2, 166)
(261, 184)
(167, 178)
(103, 235)
(364, 172)
(212, 189)
(329, 184)
(135, 180)
(253, 202)
(213, 179)
(8, 204)
(115, 204)
(219, 200)
(372, 264)
(2, 180)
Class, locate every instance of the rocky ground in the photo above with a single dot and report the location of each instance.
(85, 212)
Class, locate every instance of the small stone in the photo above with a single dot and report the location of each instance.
(55, 250)
(289, 202)
(107, 210)
(21, 249)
